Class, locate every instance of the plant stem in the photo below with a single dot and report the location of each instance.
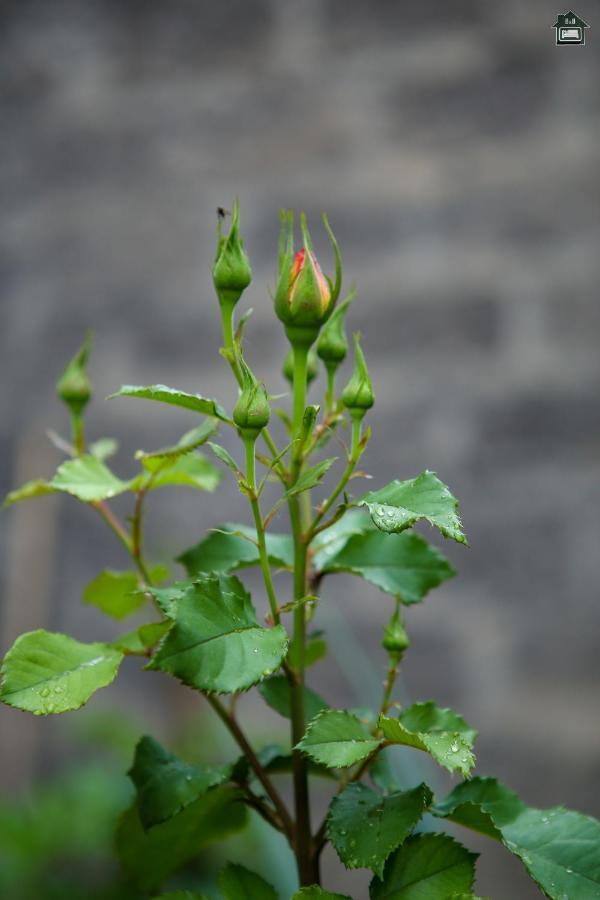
(78, 432)
(136, 536)
(113, 523)
(308, 869)
(238, 735)
(250, 444)
(355, 451)
(388, 684)
(330, 393)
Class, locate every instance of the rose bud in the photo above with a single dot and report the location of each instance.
(358, 394)
(312, 368)
(74, 386)
(305, 297)
(395, 639)
(332, 345)
(252, 412)
(231, 270)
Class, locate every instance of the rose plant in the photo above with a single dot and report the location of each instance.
(204, 629)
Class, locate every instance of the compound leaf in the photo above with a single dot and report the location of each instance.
(365, 827)
(400, 504)
(336, 738)
(45, 672)
(216, 642)
(432, 866)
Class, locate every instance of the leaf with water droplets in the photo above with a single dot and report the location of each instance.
(45, 672)
(365, 827)
(440, 732)
(337, 739)
(400, 504)
(239, 883)
(559, 848)
(216, 643)
(165, 784)
(432, 866)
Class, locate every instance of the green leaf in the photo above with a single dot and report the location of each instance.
(163, 394)
(404, 565)
(165, 784)
(365, 827)
(337, 739)
(216, 642)
(426, 867)
(191, 470)
(226, 457)
(327, 544)
(402, 503)
(115, 593)
(232, 547)
(559, 848)
(104, 448)
(311, 477)
(149, 857)
(440, 732)
(88, 479)
(238, 883)
(36, 488)
(44, 672)
(314, 892)
(139, 641)
(191, 440)
(276, 693)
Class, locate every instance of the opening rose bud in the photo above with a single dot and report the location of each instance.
(305, 297)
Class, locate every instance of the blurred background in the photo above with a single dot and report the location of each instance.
(455, 149)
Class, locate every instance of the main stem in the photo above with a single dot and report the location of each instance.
(307, 862)
(249, 443)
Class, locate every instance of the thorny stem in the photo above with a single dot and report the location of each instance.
(260, 532)
(236, 732)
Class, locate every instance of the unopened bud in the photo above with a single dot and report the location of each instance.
(312, 366)
(231, 270)
(395, 639)
(358, 394)
(332, 345)
(74, 386)
(252, 411)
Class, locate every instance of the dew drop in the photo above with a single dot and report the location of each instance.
(58, 689)
(545, 820)
(38, 712)
(50, 708)
(44, 692)
(188, 777)
(454, 747)
(255, 650)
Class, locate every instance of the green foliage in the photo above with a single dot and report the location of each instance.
(238, 883)
(276, 691)
(28, 491)
(337, 739)
(440, 732)
(115, 593)
(559, 848)
(88, 479)
(163, 394)
(314, 892)
(426, 867)
(232, 547)
(401, 504)
(365, 827)
(216, 642)
(165, 785)
(189, 470)
(191, 440)
(311, 477)
(403, 565)
(47, 673)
